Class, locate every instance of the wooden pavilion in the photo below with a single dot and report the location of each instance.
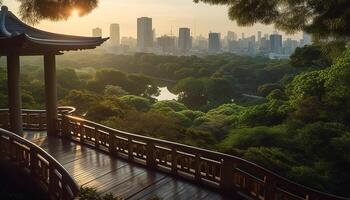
(19, 39)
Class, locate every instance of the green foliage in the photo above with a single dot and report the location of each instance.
(266, 89)
(255, 137)
(271, 113)
(139, 103)
(67, 78)
(274, 159)
(226, 109)
(310, 57)
(306, 85)
(322, 17)
(173, 105)
(337, 88)
(314, 136)
(112, 90)
(82, 100)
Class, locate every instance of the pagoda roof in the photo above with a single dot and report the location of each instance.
(18, 37)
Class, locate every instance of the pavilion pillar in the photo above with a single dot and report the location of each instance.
(14, 94)
(51, 93)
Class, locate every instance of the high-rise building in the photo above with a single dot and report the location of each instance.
(185, 40)
(166, 44)
(307, 39)
(259, 36)
(276, 43)
(144, 33)
(97, 32)
(289, 46)
(243, 36)
(214, 42)
(231, 36)
(114, 34)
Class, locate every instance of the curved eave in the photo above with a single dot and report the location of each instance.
(26, 45)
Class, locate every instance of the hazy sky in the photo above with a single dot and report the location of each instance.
(166, 14)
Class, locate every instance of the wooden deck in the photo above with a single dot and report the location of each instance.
(107, 174)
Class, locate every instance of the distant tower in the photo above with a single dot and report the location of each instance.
(144, 33)
(243, 36)
(185, 40)
(214, 42)
(114, 34)
(259, 36)
(307, 39)
(230, 35)
(97, 32)
(276, 43)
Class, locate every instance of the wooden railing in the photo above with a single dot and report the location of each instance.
(225, 172)
(38, 164)
(33, 120)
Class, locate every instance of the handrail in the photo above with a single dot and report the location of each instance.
(34, 120)
(39, 164)
(223, 171)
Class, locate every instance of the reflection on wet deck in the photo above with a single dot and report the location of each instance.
(108, 174)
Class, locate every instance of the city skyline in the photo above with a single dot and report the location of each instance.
(167, 15)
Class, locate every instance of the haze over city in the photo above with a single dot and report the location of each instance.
(168, 15)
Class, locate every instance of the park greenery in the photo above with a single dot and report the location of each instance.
(290, 116)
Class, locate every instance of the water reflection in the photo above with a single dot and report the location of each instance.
(165, 94)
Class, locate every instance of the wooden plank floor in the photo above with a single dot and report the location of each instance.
(107, 174)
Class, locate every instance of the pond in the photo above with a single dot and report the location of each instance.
(165, 94)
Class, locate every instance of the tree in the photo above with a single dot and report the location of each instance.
(112, 90)
(191, 92)
(309, 57)
(34, 11)
(139, 103)
(319, 17)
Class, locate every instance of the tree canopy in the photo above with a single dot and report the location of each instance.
(319, 17)
(34, 11)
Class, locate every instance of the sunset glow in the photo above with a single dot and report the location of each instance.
(75, 12)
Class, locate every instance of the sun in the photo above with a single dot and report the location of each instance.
(75, 12)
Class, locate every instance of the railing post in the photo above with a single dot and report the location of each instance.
(33, 162)
(111, 142)
(270, 188)
(130, 149)
(226, 175)
(151, 159)
(51, 180)
(97, 139)
(197, 167)
(174, 160)
(81, 131)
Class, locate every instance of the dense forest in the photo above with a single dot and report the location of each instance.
(290, 116)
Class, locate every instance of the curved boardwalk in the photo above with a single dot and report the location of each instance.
(107, 174)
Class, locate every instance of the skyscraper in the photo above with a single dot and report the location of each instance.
(276, 43)
(230, 35)
(214, 42)
(97, 32)
(259, 36)
(307, 39)
(144, 33)
(185, 40)
(166, 44)
(114, 34)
